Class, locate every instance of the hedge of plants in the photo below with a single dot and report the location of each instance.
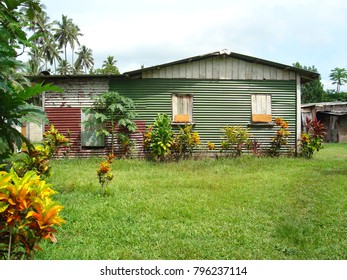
(161, 143)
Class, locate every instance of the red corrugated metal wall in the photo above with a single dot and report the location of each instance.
(68, 122)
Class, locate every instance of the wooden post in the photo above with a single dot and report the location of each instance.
(298, 113)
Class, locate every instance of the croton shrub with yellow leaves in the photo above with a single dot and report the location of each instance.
(27, 214)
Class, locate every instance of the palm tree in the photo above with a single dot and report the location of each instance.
(34, 63)
(64, 68)
(50, 51)
(34, 13)
(66, 33)
(74, 39)
(85, 58)
(109, 66)
(339, 77)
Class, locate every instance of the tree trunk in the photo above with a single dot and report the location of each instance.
(112, 136)
(65, 55)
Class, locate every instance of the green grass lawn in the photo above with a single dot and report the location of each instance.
(245, 208)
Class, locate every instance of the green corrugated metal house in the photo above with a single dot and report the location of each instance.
(209, 91)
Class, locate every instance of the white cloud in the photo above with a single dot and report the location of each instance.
(156, 31)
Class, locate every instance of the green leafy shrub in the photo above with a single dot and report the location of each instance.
(234, 139)
(27, 214)
(184, 142)
(159, 138)
(311, 139)
(37, 158)
(112, 111)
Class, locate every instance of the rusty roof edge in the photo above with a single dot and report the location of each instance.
(75, 76)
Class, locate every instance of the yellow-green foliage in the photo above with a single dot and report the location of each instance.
(37, 158)
(27, 214)
(234, 139)
(185, 141)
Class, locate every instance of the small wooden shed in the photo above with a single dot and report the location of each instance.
(332, 114)
(209, 91)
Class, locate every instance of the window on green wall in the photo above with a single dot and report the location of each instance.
(261, 108)
(182, 108)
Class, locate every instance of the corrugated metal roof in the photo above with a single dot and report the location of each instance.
(335, 113)
(321, 104)
(305, 75)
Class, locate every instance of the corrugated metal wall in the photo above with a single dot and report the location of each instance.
(68, 123)
(217, 103)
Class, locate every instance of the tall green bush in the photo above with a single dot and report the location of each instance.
(159, 138)
(112, 111)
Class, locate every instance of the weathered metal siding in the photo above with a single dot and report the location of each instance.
(220, 68)
(64, 110)
(78, 92)
(217, 103)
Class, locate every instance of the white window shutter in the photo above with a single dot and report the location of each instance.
(261, 108)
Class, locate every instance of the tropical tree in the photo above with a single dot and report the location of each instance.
(64, 68)
(339, 77)
(66, 33)
(109, 66)
(33, 12)
(34, 18)
(313, 91)
(46, 44)
(85, 58)
(50, 52)
(74, 39)
(14, 108)
(111, 109)
(34, 62)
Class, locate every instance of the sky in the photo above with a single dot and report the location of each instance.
(152, 32)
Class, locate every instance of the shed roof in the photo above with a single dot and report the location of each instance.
(306, 75)
(322, 104)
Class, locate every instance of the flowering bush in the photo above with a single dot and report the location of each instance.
(312, 138)
(104, 172)
(281, 137)
(27, 214)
